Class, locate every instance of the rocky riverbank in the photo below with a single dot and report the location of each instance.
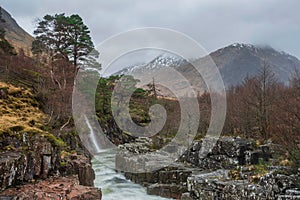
(235, 169)
(63, 175)
(30, 152)
(54, 188)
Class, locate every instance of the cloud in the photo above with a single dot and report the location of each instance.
(213, 23)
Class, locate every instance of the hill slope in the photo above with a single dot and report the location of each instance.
(15, 35)
(238, 61)
(235, 62)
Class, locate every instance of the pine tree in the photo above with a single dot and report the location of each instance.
(65, 37)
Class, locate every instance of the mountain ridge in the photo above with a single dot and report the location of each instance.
(248, 59)
(235, 62)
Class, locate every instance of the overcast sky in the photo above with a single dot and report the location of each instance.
(213, 23)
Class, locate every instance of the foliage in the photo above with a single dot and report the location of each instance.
(65, 37)
(139, 105)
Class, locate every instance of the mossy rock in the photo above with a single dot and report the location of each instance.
(54, 140)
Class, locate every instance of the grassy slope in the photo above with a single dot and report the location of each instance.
(19, 114)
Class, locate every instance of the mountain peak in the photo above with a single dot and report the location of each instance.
(167, 60)
(242, 45)
(235, 62)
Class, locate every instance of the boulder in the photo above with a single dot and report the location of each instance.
(81, 166)
(166, 190)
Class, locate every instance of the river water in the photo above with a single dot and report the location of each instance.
(114, 185)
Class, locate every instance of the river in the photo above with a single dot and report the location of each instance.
(114, 185)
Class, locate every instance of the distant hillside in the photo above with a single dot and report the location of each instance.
(235, 62)
(15, 35)
(238, 61)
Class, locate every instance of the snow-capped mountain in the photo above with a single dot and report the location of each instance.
(238, 61)
(163, 60)
(235, 62)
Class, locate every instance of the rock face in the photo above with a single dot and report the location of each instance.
(218, 185)
(227, 153)
(43, 160)
(58, 188)
(80, 165)
(28, 152)
(38, 162)
(231, 170)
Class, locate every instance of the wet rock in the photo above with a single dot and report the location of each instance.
(12, 169)
(186, 196)
(192, 155)
(56, 188)
(141, 145)
(168, 182)
(279, 183)
(262, 153)
(222, 174)
(226, 153)
(86, 175)
(40, 160)
(216, 185)
(81, 166)
(252, 157)
(166, 190)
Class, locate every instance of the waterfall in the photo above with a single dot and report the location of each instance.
(92, 135)
(113, 184)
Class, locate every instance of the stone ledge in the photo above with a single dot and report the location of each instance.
(55, 188)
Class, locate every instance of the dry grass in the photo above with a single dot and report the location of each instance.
(19, 111)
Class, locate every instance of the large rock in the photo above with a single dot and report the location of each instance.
(39, 159)
(55, 188)
(217, 185)
(228, 152)
(166, 190)
(13, 168)
(80, 165)
(222, 174)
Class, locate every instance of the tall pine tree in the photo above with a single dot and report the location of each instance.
(65, 37)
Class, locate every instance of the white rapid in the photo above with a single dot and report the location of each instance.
(92, 135)
(114, 185)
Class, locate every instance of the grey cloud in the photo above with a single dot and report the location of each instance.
(213, 23)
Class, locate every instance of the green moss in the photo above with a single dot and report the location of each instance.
(64, 153)
(54, 140)
(63, 163)
(261, 168)
(71, 133)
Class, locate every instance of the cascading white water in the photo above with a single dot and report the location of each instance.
(92, 135)
(114, 185)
